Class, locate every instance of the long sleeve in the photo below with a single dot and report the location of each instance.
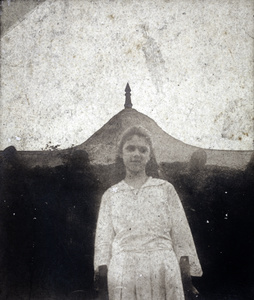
(183, 243)
(104, 233)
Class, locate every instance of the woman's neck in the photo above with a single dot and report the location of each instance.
(136, 180)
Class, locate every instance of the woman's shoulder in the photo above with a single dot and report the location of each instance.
(115, 188)
(160, 182)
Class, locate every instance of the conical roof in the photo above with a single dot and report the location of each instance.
(102, 145)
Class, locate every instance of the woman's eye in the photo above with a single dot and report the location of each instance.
(143, 149)
(130, 148)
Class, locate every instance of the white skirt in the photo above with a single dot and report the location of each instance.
(150, 275)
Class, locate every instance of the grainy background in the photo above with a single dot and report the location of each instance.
(65, 65)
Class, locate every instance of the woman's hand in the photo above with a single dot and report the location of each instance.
(103, 282)
(189, 289)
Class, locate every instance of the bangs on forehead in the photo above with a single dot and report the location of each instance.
(138, 131)
(145, 138)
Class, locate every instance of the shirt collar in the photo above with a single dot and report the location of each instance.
(122, 185)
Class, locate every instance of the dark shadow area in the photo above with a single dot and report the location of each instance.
(219, 204)
(48, 219)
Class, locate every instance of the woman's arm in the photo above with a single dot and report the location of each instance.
(182, 239)
(103, 244)
(104, 234)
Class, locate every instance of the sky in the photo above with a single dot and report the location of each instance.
(189, 65)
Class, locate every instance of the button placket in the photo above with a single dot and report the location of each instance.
(134, 196)
(139, 203)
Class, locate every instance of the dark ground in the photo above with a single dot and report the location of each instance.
(48, 218)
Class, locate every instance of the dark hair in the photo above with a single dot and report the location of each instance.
(151, 166)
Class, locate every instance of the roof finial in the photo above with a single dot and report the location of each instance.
(128, 103)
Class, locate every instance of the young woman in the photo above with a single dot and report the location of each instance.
(143, 239)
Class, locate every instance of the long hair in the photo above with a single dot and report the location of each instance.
(151, 166)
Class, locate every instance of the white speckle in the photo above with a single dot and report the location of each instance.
(9, 140)
(14, 214)
(17, 138)
(34, 218)
(74, 206)
(46, 203)
(35, 209)
(207, 221)
(226, 192)
(140, 275)
(114, 189)
(4, 200)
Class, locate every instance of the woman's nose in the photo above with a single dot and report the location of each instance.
(136, 152)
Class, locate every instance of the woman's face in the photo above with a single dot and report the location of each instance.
(136, 154)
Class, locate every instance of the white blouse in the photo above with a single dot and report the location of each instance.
(147, 219)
